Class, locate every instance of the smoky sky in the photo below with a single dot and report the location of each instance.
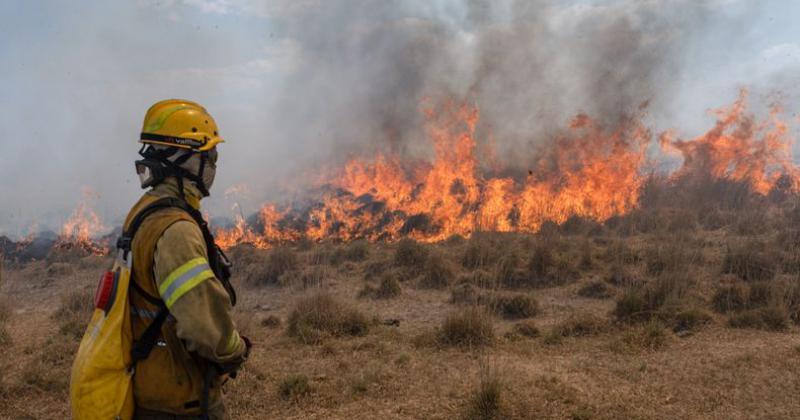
(298, 85)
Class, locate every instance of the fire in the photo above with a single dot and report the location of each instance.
(82, 228)
(740, 149)
(589, 170)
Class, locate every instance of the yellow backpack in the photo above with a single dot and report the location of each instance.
(101, 384)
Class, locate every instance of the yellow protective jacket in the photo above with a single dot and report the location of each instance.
(170, 262)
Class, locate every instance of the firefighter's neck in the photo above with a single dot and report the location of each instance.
(190, 191)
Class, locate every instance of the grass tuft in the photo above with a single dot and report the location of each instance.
(471, 327)
(320, 314)
(293, 387)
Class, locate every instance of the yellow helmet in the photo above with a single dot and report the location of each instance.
(180, 123)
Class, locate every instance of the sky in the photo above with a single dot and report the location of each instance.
(288, 90)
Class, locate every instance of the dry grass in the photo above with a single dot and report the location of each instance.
(750, 261)
(770, 318)
(410, 254)
(512, 305)
(279, 262)
(437, 273)
(293, 387)
(575, 361)
(388, 288)
(527, 328)
(74, 313)
(576, 325)
(470, 327)
(596, 290)
(316, 316)
(485, 402)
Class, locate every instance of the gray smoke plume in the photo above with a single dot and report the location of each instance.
(528, 65)
(297, 85)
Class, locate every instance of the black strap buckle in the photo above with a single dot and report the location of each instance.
(124, 243)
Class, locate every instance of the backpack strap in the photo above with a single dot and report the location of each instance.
(144, 345)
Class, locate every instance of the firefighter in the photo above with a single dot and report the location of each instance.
(177, 268)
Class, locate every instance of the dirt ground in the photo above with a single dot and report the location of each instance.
(587, 361)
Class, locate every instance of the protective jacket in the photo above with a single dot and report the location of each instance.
(171, 267)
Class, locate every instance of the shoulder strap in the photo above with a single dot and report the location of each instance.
(144, 345)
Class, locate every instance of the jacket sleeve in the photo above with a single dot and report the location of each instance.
(194, 296)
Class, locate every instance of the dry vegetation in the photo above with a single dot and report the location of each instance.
(662, 313)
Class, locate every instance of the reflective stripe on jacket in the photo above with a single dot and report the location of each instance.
(171, 263)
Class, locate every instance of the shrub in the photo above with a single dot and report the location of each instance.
(294, 386)
(630, 306)
(271, 321)
(319, 314)
(619, 275)
(749, 262)
(546, 268)
(576, 325)
(60, 269)
(691, 319)
(667, 257)
(526, 329)
(471, 327)
(5, 311)
(279, 262)
(389, 288)
(764, 293)
(771, 318)
(410, 254)
(730, 298)
(660, 298)
(485, 402)
(479, 253)
(374, 269)
(650, 336)
(464, 294)
(74, 312)
(509, 271)
(541, 262)
(437, 272)
(514, 305)
(618, 252)
(355, 251)
(595, 290)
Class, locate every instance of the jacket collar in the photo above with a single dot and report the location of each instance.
(169, 188)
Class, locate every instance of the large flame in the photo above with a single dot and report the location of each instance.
(590, 171)
(739, 148)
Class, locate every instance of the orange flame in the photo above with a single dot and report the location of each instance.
(82, 227)
(589, 171)
(739, 148)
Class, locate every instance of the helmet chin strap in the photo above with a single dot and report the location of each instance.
(167, 167)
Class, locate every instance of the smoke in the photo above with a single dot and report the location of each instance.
(528, 65)
(300, 85)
